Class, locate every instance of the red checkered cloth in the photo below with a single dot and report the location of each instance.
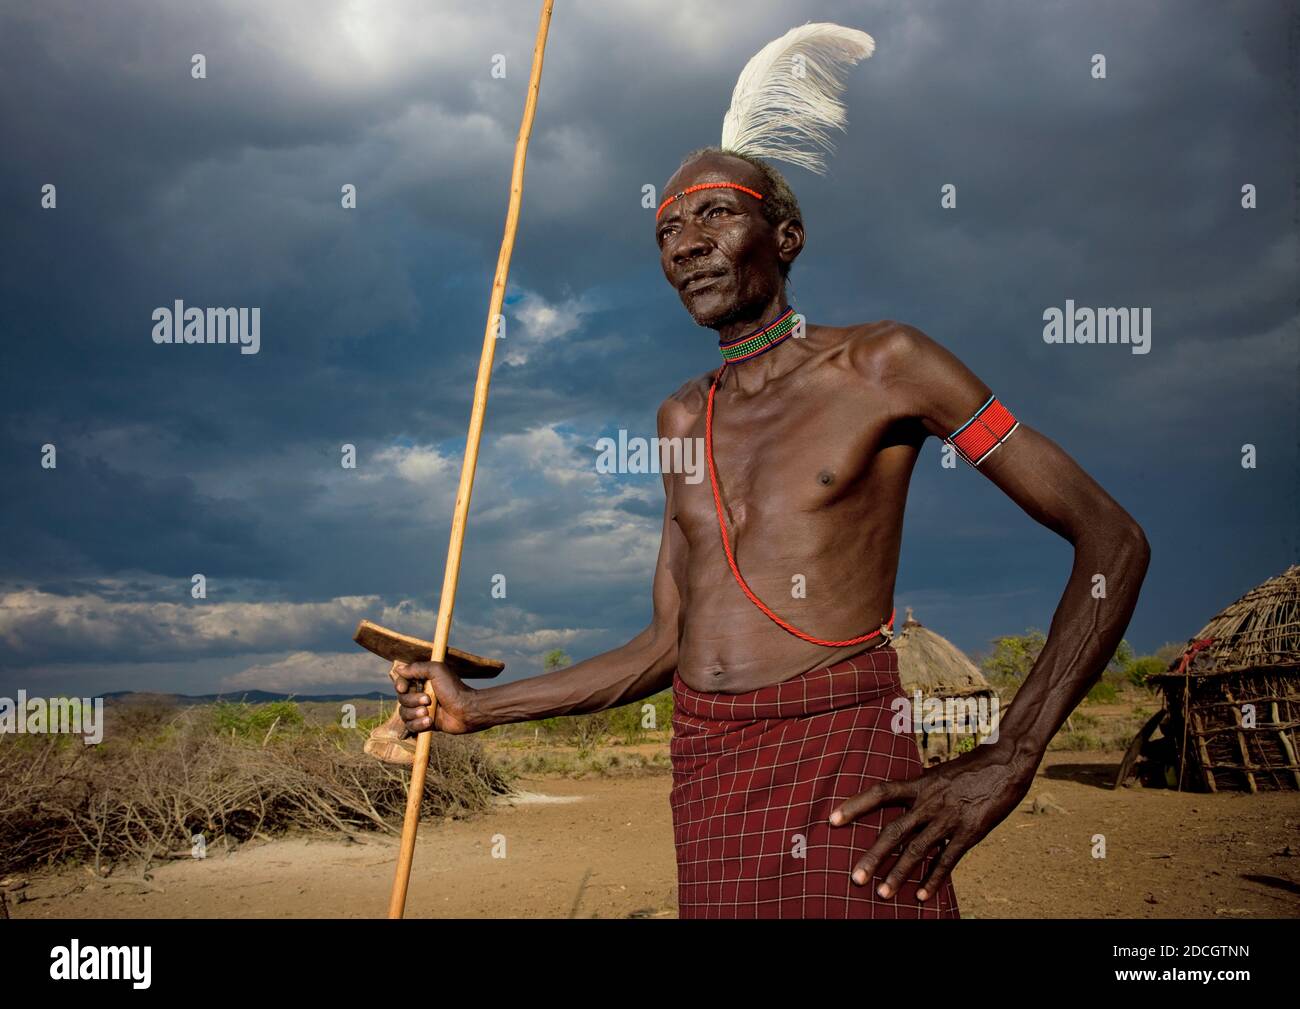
(755, 777)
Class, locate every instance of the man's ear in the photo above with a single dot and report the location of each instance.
(789, 239)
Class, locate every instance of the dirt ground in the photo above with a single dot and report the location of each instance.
(601, 847)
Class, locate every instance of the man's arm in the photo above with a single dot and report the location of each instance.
(638, 669)
(966, 798)
(1110, 550)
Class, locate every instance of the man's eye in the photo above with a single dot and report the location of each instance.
(710, 213)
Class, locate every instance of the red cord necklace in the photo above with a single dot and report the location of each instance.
(731, 560)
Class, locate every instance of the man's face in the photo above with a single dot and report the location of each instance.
(721, 237)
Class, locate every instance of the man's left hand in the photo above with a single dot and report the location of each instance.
(953, 806)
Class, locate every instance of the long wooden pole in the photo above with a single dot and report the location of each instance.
(447, 602)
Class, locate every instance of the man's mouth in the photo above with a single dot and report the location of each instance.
(698, 280)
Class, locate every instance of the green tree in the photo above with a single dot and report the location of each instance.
(1122, 659)
(555, 659)
(1013, 656)
(1143, 666)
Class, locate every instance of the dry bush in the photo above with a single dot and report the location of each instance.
(161, 778)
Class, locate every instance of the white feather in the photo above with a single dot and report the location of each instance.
(776, 112)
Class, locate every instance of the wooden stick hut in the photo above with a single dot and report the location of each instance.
(933, 665)
(1232, 699)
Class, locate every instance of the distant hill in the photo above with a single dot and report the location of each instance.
(251, 696)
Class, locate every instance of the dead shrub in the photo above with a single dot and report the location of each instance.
(162, 778)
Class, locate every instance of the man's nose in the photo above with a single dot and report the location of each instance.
(691, 243)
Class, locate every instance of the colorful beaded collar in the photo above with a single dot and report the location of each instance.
(761, 340)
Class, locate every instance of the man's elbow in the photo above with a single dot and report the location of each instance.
(662, 647)
(1141, 551)
(1115, 534)
(1131, 545)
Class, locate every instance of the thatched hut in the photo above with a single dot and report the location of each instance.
(955, 696)
(1232, 699)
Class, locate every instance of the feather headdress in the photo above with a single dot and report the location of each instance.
(786, 100)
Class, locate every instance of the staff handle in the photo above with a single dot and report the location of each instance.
(447, 601)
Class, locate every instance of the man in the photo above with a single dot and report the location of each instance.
(792, 795)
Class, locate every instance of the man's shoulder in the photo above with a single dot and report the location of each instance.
(679, 411)
(881, 349)
(914, 374)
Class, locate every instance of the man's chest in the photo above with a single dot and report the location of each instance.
(802, 454)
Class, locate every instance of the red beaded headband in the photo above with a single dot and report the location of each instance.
(707, 185)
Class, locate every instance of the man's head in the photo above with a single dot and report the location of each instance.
(743, 245)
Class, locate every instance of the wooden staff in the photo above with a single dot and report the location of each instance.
(397, 901)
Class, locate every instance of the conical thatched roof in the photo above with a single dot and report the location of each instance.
(932, 664)
(1261, 629)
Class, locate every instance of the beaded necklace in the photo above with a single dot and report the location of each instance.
(760, 341)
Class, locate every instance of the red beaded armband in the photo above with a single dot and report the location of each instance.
(990, 426)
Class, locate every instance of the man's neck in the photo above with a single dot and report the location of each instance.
(734, 329)
(751, 376)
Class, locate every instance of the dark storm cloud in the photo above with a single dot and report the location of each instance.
(226, 192)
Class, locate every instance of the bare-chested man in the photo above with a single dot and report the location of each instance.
(791, 793)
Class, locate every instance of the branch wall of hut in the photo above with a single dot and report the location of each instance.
(1236, 730)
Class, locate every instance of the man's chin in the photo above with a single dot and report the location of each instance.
(710, 315)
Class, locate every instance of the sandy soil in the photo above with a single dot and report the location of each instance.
(608, 854)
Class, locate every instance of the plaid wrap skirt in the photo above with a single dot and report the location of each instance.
(755, 777)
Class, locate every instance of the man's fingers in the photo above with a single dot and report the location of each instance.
(412, 700)
(885, 843)
(414, 705)
(417, 719)
(400, 682)
(884, 792)
(913, 852)
(943, 865)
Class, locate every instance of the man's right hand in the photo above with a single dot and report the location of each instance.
(455, 699)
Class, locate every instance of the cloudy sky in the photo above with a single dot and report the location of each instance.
(181, 460)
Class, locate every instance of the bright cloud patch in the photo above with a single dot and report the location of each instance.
(538, 322)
